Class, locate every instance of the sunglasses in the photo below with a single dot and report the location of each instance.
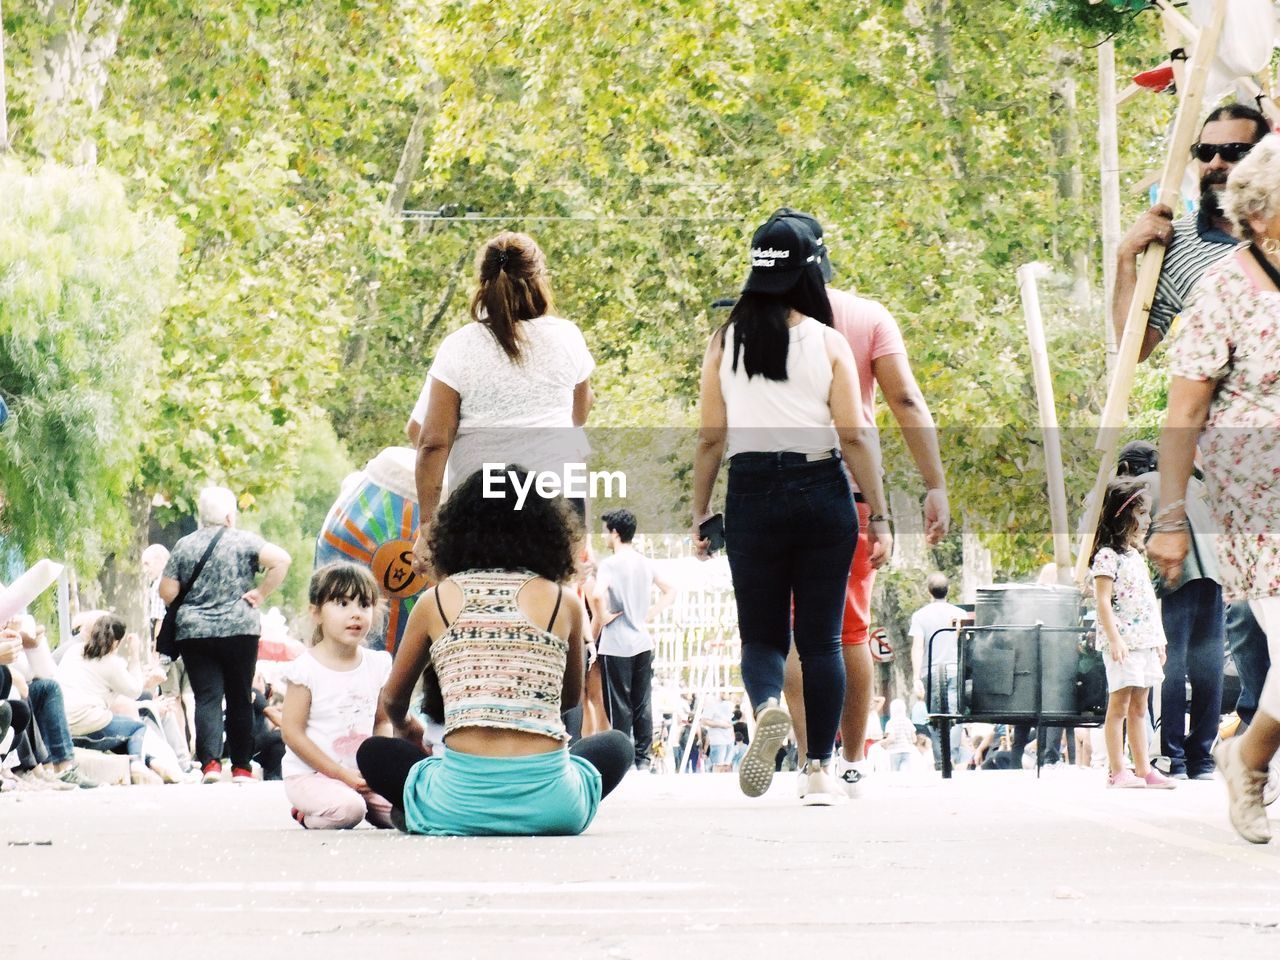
(1230, 152)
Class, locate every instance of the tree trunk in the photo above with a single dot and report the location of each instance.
(946, 89)
(894, 606)
(410, 163)
(122, 583)
(71, 66)
(1066, 141)
(1109, 175)
(910, 551)
(977, 569)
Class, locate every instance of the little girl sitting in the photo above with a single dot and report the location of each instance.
(331, 705)
(506, 642)
(1129, 629)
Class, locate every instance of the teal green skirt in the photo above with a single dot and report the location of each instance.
(462, 795)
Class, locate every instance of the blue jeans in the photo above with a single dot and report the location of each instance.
(1194, 623)
(51, 719)
(1249, 650)
(790, 531)
(121, 735)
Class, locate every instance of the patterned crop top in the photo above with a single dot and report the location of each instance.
(497, 669)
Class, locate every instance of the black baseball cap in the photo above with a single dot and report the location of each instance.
(781, 250)
(810, 221)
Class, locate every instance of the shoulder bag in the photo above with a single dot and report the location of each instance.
(167, 637)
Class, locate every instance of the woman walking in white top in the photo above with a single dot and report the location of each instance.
(510, 387)
(780, 391)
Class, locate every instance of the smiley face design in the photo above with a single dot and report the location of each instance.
(392, 565)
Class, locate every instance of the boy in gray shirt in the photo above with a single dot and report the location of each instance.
(621, 604)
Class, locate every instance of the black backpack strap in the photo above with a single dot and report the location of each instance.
(559, 596)
(1267, 266)
(199, 567)
(440, 607)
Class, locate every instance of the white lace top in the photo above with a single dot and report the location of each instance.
(513, 412)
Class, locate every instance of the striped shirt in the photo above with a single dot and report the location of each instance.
(497, 669)
(1197, 245)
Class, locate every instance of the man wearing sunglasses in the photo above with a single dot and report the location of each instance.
(1195, 242)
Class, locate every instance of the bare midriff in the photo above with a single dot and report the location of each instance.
(494, 742)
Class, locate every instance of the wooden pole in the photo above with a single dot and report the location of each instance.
(1175, 26)
(1109, 176)
(1116, 411)
(1054, 474)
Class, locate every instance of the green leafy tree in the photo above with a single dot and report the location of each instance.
(83, 281)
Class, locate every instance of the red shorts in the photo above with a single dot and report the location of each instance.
(857, 592)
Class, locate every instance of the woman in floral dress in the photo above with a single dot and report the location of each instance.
(1224, 394)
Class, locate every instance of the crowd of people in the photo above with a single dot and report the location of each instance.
(520, 620)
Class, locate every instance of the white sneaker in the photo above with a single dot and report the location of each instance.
(1244, 793)
(757, 769)
(819, 786)
(51, 778)
(1272, 789)
(852, 776)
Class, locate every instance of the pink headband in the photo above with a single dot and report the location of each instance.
(1136, 494)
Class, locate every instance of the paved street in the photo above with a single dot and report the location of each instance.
(989, 865)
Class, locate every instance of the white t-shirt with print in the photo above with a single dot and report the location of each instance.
(343, 706)
(519, 413)
(1133, 599)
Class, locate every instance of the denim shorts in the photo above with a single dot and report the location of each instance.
(463, 795)
(720, 754)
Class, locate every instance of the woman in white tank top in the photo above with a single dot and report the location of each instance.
(779, 395)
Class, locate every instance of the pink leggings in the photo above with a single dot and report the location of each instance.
(329, 804)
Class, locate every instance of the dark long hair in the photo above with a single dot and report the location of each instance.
(512, 275)
(104, 636)
(1119, 519)
(472, 531)
(760, 333)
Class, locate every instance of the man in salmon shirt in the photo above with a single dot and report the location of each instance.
(881, 358)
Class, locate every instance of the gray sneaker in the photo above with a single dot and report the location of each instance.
(759, 762)
(73, 776)
(1244, 793)
(820, 788)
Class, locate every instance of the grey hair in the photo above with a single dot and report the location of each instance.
(1253, 188)
(216, 504)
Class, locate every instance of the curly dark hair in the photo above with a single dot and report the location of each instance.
(1118, 521)
(475, 532)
